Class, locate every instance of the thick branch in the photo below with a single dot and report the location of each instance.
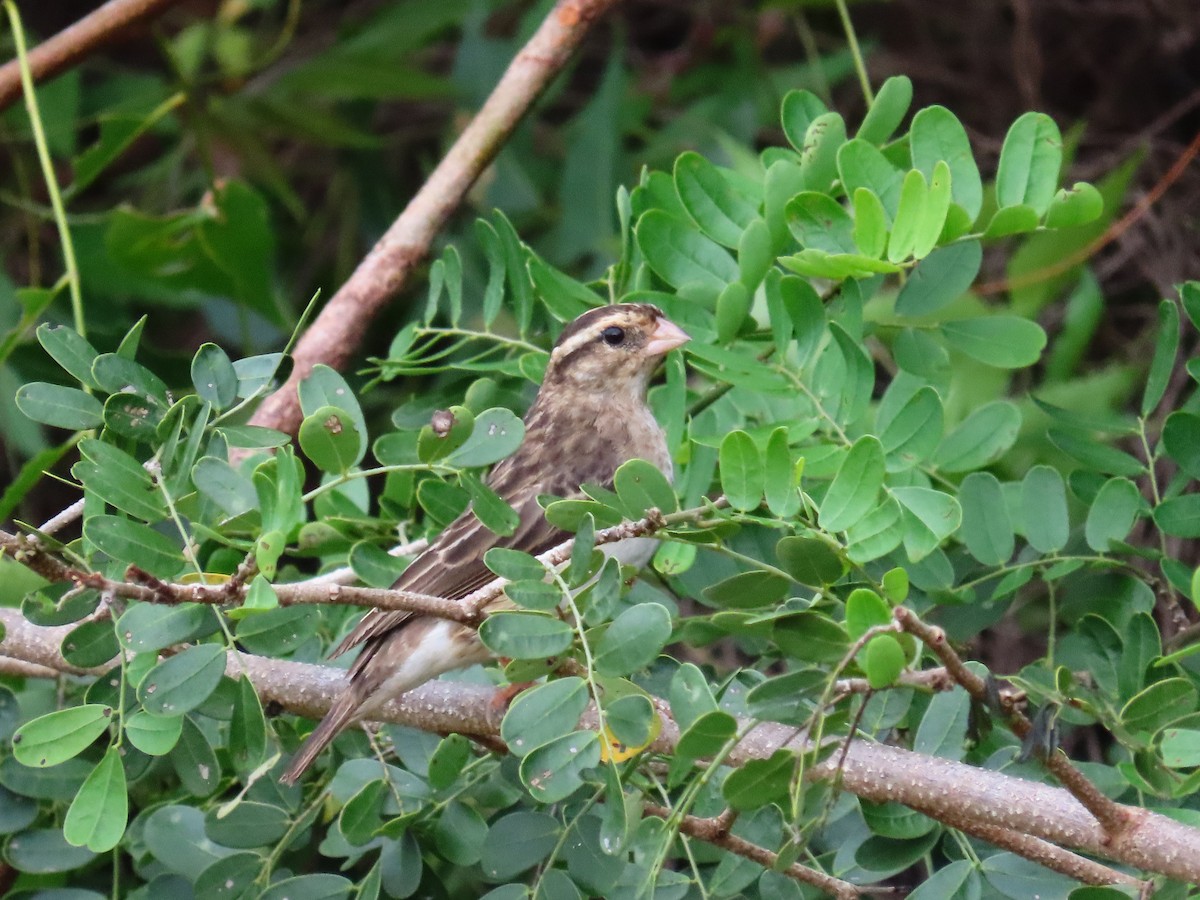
(77, 41)
(949, 791)
(335, 336)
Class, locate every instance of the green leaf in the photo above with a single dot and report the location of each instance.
(870, 224)
(836, 266)
(1159, 705)
(1077, 205)
(760, 781)
(147, 627)
(1166, 346)
(784, 180)
(911, 209)
(741, 471)
(931, 223)
(883, 660)
(819, 157)
(929, 518)
(45, 850)
(865, 609)
(641, 486)
(525, 635)
(224, 485)
(1007, 342)
(810, 560)
(497, 433)
(153, 735)
(690, 695)
(490, 508)
(554, 771)
(633, 640)
(255, 373)
(452, 753)
(706, 736)
(131, 416)
(747, 590)
(756, 256)
(535, 595)
(1179, 516)
(1113, 512)
(326, 387)
(133, 542)
(1095, 455)
(1011, 220)
(981, 438)
(782, 476)
(329, 438)
(937, 135)
(1180, 748)
(70, 350)
(514, 565)
(1030, 160)
(182, 682)
(563, 296)
(62, 407)
(214, 377)
(887, 110)
(97, 816)
(913, 432)
(943, 728)
(632, 721)
(939, 279)
(119, 480)
(311, 886)
(680, 254)
(986, 528)
(861, 164)
(797, 112)
(1044, 509)
(1181, 440)
(855, 487)
(544, 713)
(720, 202)
(517, 841)
(733, 305)
(92, 643)
(58, 736)
(819, 222)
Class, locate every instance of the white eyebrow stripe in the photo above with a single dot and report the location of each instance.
(575, 342)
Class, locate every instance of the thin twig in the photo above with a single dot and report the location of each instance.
(716, 832)
(1111, 815)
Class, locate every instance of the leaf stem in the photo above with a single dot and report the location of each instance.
(43, 152)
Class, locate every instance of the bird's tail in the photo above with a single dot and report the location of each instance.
(322, 736)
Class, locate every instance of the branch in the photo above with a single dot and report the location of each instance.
(1114, 817)
(949, 791)
(141, 585)
(338, 331)
(716, 832)
(77, 41)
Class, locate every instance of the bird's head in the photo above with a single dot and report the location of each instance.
(613, 349)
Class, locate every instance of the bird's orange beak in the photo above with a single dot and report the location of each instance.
(666, 336)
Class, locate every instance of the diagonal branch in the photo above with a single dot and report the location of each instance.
(335, 336)
(77, 41)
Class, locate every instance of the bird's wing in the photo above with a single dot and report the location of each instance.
(453, 566)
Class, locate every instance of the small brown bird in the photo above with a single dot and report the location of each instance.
(590, 416)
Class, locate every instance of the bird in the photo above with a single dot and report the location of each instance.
(590, 416)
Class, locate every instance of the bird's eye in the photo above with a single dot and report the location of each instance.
(613, 335)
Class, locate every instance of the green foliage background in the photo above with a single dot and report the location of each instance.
(883, 436)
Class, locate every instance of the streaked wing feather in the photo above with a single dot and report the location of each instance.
(453, 566)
